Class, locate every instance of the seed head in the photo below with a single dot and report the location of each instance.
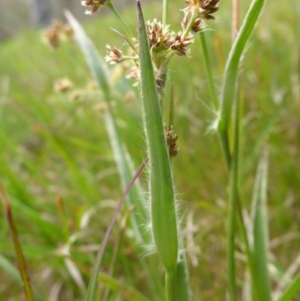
(197, 26)
(203, 8)
(54, 34)
(171, 141)
(179, 43)
(94, 5)
(114, 55)
(161, 38)
(62, 85)
(158, 35)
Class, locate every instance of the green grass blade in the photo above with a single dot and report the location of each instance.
(291, 291)
(229, 86)
(182, 287)
(10, 269)
(260, 230)
(18, 247)
(208, 70)
(129, 293)
(95, 63)
(164, 224)
(233, 205)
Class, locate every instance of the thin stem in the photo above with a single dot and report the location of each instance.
(100, 254)
(225, 148)
(211, 87)
(213, 95)
(189, 26)
(233, 198)
(170, 278)
(124, 25)
(165, 11)
(235, 18)
(249, 255)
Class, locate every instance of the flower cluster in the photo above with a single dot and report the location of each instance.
(163, 42)
(94, 5)
(55, 33)
(171, 141)
(202, 8)
(161, 38)
(114, 55)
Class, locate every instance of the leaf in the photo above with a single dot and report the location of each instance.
(18, 247)
(291, 290)
(230, 80)
(260, 230)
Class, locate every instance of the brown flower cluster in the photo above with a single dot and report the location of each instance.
(171, 141)
(161, 38)
(202, 8)
(54, 34)
(93, 5)
(162, 42)
(114, 55)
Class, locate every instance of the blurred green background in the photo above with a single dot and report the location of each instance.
(52, 146)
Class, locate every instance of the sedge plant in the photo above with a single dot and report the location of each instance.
(156, 47)
(149, 55)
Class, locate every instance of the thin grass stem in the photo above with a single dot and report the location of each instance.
(211, 87)
(233, 197)
(93, 281)
(165, 11)
(170, 278)
(121, 20)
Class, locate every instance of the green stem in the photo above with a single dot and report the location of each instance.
(211, 87)
(119, 17)
(170, 278)
(165, 11)
(223, 137)
(225, 148)
(249, 255)
(233, 198)
(189, 26)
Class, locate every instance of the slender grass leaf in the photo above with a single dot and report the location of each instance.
(10, 269)
(260, 230)
(229, 85)
(291, 291)
(93, 282)
(18, 247)
(129, 293)
(163, 213)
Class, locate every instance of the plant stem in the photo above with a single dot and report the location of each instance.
(208, 69)
(235, 18)
(165, 11)
(233, 196)
(170, 278)
(119, 17)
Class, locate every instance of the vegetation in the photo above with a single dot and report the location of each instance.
(64, 165)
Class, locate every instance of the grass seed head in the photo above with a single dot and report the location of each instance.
(202, 8)
(114, 55)
(94, 5)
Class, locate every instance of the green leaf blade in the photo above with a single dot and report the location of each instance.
(260, 231)
(163, 213)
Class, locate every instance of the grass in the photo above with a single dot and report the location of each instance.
(51, 146)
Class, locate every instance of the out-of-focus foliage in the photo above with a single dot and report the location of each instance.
(17, 15)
